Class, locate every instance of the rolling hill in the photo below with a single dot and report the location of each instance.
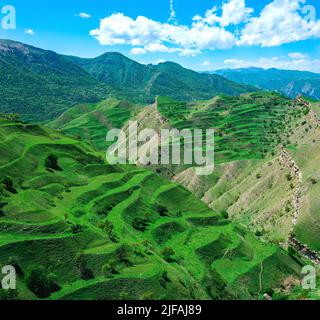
(290, 83)
(77, 228)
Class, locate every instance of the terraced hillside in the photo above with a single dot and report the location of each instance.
(91, 122)
(250, 127)
(76, 228)
(275, 197)
(246, 127)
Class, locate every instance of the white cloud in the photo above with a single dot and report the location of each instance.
(297, 55)
(279, 22)
(153, 36)
(235, 12)
(138, 51)
(307, 64)
(172, 12)
(84, 15)
(29, 32)
(206, 64)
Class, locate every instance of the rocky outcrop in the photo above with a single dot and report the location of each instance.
(304, 250)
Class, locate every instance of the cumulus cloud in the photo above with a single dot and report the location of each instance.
(279, 22)
(302, 64)
(153, 36)
(234, 12)
(29, 32)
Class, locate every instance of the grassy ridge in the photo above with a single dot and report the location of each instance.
(91, 122)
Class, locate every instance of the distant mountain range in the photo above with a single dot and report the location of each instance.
(141, 83)
(40, 85)
(290, 83)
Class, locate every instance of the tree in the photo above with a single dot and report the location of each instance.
(163, 211)
(123, 253)
(225, 214)
(76, 228)
(8, 185)
(109, 269)
(51, 163)
(140, 224)
(85, 272)
(41, 283)
(168, 253)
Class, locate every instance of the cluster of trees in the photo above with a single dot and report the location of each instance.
(42, 283)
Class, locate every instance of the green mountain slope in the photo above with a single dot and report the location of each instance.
(76, 228)
(287, 82)
(141, 83)
(91, 122)
(247, 127)
(265, 151)
(40, 84)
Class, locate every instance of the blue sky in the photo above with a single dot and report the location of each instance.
(199, 34)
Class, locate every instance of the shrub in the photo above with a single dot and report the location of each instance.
(85, 272)
(313, 181)
(225, 214)
(148, 296)
(140, 224)
(168, 253)
(8, 295)
(51, 163)
(76, 228)
(8, 185)
(163, 211)
(123, 253)
(41, 283)
(109, 269)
